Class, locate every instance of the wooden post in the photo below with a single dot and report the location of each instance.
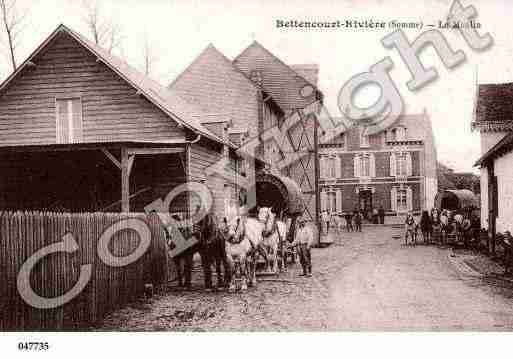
(492, 210)
(187, 173)
(125, 181)
(316, 177)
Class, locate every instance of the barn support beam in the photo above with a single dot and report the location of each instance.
(111, 157)
(125, 181)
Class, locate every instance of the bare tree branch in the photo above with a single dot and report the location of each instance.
(149, 55)
(105, 31)
(13, 20)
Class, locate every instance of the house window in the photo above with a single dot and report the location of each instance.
(331, 202)
(329, 167)
(396, 134)
(364, 166)
(400, 134)
(401, 165)
(68, 120)
(402, 200)
(332, 163)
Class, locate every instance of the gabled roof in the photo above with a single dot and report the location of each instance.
(309, 71)
(494, 107)
(417, 125)
(278, 79)
(214, 84)
(503, 146)
(171, 104)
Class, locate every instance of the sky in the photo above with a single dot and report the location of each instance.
(178, 30)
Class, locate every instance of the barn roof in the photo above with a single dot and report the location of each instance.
(494, 107)
(179, 110)
(277, 78)
(213, 83)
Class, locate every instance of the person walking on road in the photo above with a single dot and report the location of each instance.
(381, 215)
(410, 229)
(375, 216)
(303, 241)
(357, 218)
(349, 221)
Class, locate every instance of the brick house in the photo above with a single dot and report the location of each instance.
(395, 168)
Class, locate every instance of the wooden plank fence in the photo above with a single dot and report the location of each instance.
(24, 233)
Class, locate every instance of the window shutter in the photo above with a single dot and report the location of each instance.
(62, 124)
(392, 164)
(409, 199)
(409, 168)
(339, 200)
(372, 165)
(77, 120)
(322, 167)
(338, 167)
(393, 199)
(356, 165)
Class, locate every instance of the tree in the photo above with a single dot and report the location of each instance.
(105, 31)
(448, 179)
(149, 56)
(13, 22)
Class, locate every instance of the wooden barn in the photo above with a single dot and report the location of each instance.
(257, 92)
(81, 130)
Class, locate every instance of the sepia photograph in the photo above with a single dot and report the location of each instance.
(259, 167)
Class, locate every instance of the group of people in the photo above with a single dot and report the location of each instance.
(438, 226)
(351, 220)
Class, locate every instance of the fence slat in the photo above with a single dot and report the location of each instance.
(24, 233)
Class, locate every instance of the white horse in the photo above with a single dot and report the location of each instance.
(243, 240)
(274, 235)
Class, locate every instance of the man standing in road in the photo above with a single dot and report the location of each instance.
(303, 241)
(381, 215)
(357, 219)
(325, 216)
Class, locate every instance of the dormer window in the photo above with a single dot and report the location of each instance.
(400, 134)
(396, 134)
(364, 138)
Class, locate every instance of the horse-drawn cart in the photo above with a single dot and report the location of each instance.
(283, 195)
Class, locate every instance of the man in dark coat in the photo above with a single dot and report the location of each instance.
(381, 215)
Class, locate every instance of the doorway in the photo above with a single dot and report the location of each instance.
(365, 203)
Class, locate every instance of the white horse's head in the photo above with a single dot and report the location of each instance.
(264, 213)
(267, 217)
(233, 227)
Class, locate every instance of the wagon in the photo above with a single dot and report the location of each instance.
(284, 195)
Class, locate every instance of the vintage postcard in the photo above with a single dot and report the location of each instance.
(265, 166)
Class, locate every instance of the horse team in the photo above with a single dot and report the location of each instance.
(440, 226)
(235, 244)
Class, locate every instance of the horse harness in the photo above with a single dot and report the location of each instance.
(273, 229)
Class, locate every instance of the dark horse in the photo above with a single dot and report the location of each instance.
(210, 246)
